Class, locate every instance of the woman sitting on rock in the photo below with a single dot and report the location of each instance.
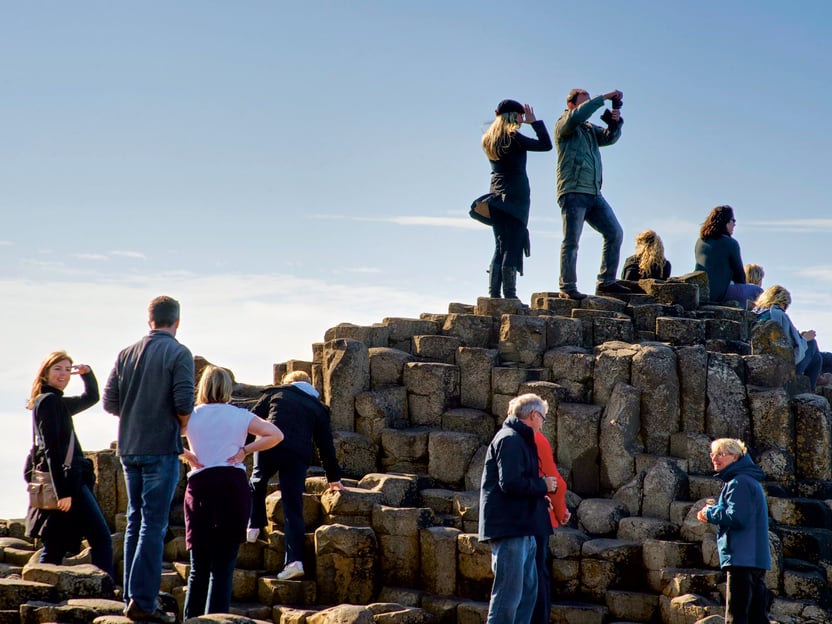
(648, 262)
(772, 305)
(718, 254)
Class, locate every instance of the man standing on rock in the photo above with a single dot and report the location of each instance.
(513, 510)
(579, 188)
(151, 390)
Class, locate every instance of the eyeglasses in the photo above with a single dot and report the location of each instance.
(720, 455)
(540, 415)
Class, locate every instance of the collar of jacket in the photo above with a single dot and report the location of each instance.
(47, 388)
(526, 432)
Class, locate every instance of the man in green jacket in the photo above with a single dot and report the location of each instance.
(579, 188)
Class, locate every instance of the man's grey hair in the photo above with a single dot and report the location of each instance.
(523, 406)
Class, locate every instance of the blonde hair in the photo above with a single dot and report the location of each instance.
(754, 274)
(498, 137)
(774, 295)
(43, 374)
(650, 252)
(297, 375)
(214, 386)
(729, 445)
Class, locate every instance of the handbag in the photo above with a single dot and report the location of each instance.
(41, 487)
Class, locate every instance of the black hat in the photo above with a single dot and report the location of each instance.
(510, 106)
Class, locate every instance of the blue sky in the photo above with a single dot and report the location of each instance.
(282, 167)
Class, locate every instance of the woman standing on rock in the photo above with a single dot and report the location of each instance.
(506, 207)
(741, 517)
(217, 497)
(78, 515)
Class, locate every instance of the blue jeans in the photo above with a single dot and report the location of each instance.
(811, 363)
(151, 482)
(575, 209)
(744, 293)
(209, 582)
(83, 518)
(292, 474)
(514, 592)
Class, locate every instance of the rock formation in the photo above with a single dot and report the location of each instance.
(637, 387)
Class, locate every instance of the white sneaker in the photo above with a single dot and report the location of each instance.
(292, 570)
(252, 535)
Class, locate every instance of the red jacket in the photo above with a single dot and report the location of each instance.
(546, 463)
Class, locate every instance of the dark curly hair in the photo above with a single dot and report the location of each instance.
(716, 224)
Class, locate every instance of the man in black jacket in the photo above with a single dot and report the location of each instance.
(513, 510)
(295, 409)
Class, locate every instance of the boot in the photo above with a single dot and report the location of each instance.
(495, 280)
(509, 282)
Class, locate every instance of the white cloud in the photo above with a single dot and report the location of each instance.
(461, 223)
(129, 254)
(90, 256)
(796, 225)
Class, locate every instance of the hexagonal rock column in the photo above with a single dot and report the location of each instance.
(727, 413)
(522, 339)
(398, 535)
(654, 373)
(346, 373)
(619, 437)
(345, 563)
(813, 429)
(449, 454)
(577, 451)
(431, 389)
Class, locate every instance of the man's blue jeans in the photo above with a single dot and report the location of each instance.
(514, 592)
(151, 482)
(575, 209)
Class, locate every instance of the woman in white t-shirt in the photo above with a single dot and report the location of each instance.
(217, 497)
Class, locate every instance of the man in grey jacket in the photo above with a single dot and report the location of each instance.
(151, 390)
(579, 188)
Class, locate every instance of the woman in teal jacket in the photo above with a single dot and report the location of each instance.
(741, 517)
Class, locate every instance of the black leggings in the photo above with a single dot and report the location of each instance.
(509, 237)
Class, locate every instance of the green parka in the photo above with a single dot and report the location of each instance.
(577, 142)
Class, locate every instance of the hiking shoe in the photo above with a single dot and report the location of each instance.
(572, 294)
(159, 616)
(292, 570)
(252, 535)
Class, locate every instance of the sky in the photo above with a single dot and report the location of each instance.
(280, 167)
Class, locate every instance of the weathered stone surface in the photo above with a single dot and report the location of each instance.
(431, 389)
(14, 592)
(579, 613)
(600, 516)
(663, 483)
(690, 609)
(475, 376)
(439, 559)
(508, 379)
(727, 413)
(612, 365)
(619, 437)
(630, 606)
(563, 331)
(357, 454)
(449, 454)
(371, 335)
(474, 421)
(398, 535)
(496, 308)
(396, 489)
(436, 348)
(402, 330)
(345, 558)
(387, 366)
(474, 571)
(81, 581)
(659, 401)
(350, 506)
(631, 494)
(577, 449)
(346, 373)
(692, 363)
(768, 371)
(108, 472)
(522, 339)
(404, 450)
(473, 477)
(639, 529)
(680, 331)
(695, 448)
(813, 437)
(342, 614)
(685, 294)
(768, 338)
(380, 409)
(472, 330)
(72, 610)
(771, 418)
(572, 368)
(605, 329)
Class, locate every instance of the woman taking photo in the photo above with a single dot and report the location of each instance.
(648, 262)
(78, 514)
(718, 254)
(772, 305)
(217, 497)
(506, 207)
